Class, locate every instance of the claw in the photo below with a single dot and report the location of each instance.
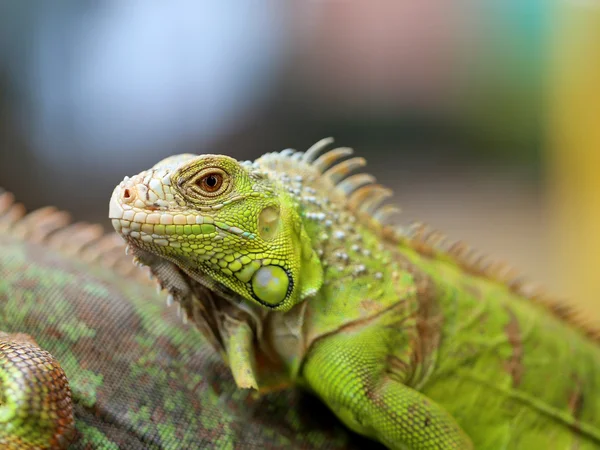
(136, 262)
(170, 300)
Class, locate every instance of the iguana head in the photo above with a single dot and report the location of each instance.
(225, 224)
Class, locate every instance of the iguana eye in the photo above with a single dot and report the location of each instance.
(211, 182)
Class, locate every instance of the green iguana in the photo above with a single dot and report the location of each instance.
(139, 378)
(291, 269)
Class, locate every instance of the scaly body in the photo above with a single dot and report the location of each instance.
(289, 267)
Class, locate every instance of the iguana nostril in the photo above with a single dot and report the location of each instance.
(127, 195)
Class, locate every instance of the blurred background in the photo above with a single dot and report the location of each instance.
(484, 116)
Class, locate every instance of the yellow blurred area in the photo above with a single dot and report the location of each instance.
(574, 150)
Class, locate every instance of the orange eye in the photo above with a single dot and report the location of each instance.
(211, 182)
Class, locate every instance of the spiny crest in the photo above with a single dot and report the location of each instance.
(432, 243)
(365, 198)
(362, 195)
(333, 171)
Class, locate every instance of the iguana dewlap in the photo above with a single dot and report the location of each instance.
(289, 266)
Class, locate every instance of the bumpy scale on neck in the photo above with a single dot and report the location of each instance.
(344, 246)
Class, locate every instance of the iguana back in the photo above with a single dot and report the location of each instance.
(513, 374)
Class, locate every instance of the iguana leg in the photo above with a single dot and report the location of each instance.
(348, 371)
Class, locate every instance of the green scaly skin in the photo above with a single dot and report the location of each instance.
(139, 378)
(288, 267)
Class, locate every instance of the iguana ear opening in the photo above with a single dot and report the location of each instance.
(311, 270)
